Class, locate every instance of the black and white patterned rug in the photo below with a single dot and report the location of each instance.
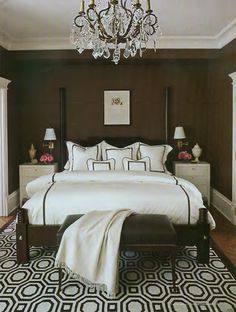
(145, 284)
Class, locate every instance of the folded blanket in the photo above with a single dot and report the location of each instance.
(89, 249)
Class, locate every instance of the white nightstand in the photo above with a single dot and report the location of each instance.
(29, 172)
(197, 173)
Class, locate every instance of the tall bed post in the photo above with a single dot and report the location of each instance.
(167, 91)
(62, 101)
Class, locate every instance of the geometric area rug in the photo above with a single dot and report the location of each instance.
(145, 284)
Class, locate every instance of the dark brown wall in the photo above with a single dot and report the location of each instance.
(85, 84)
(3, 60)
(8, 71)
(220, 119)
(200, 100)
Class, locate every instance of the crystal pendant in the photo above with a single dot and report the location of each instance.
(73, 36)
(95, 52)
(127, 49)
(106, 53)
(80, 49)
(116, 55)
(100, 51)
(133, 50)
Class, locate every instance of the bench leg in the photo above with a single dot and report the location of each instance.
(60, 276)
(173, 271)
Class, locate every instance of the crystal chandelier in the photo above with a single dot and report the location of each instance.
(116, 26)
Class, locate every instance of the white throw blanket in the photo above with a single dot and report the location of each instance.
(89, 248)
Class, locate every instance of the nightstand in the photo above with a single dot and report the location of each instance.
(197, 173)
(29, 172)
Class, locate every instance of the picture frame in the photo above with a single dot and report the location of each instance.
(116, 107)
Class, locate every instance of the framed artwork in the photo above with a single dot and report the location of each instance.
(116, 107)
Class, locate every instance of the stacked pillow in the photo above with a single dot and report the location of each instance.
(103, 156)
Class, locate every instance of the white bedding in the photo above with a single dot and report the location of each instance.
(79, 192)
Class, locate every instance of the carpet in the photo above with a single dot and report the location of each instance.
(145, 284)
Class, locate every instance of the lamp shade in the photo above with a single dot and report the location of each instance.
(50, 135)
(179, 133)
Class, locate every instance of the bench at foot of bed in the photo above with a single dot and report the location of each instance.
(46, 235)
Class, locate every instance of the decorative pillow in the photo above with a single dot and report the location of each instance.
(67, 165)
(157, 154)
(136, 165)
(101, 165)
(70, 144)
(78, 155)
(118, 155)
(105, 145)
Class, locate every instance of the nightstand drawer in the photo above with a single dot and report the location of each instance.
(196, 173)
(192, 170)
(37, 171)
(24, 181)
(196, 179)
(203, 188)
(30, 172)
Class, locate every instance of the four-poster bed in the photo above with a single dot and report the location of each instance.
(45, 235)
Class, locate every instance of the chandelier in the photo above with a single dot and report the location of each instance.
(115, 28)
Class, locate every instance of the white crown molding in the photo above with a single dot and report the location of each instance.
(223, 205)
(218, 41)
(64, 43)
(187, 42)
(226, 35)
(5, 41)
(43, 43)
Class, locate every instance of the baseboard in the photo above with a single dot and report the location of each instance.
(223, 205)
(13, 201)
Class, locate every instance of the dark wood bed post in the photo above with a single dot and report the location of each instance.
(203, 244)
(22, 244)
(22, 241)
(62, 100)
(167, 93)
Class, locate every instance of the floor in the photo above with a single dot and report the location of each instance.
(4, 220)
(224, 235)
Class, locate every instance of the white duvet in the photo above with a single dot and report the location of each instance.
(79, 192)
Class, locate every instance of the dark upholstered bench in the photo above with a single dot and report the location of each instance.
(140, 232)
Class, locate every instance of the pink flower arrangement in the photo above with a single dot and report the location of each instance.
(46, 158)
(184, 155)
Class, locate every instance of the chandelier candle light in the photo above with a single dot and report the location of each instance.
(121, 24)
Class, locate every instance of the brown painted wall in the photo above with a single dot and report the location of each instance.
(3, 60)
(8, 71)
(220, 119)
(85, 83)
(197, 93)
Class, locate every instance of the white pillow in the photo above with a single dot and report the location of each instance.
(78, 155)
(118, 155)
(67, 165)
(69, 145)
(101, 165)
(105, 145)
(157, 154)
(136, 165)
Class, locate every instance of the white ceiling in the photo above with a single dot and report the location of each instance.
(45, 24)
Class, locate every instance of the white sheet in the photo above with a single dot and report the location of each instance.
(83, 191)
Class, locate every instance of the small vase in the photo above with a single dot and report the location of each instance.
(32, 153)
(197, 152)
